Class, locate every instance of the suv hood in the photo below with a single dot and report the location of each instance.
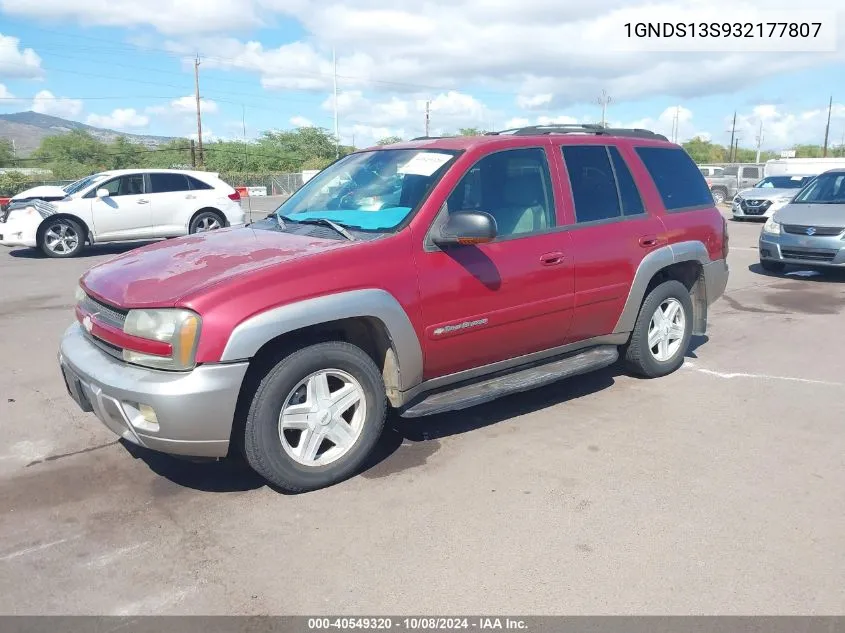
(159, 274)
(766, 193)
(830, 215)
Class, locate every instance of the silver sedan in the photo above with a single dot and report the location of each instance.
(809, 231)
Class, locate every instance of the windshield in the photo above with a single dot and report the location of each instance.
(825, 189)
(74, 187)
(783, 182)
(370, 191)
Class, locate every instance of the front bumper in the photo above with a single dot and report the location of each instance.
(746, 211)
(803, 250)
(19, 231)
(194, 410)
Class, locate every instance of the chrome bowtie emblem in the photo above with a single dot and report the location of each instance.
(811, 230)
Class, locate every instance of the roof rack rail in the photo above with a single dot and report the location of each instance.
(580, 128)
(425, 138)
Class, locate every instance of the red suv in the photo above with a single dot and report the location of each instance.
(423, 277)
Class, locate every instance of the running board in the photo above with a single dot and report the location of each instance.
(470, 395)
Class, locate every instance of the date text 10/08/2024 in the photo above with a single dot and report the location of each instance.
(768, 30)
(418, 623)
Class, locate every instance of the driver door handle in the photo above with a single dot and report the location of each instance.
(143, 201)
(552, 259)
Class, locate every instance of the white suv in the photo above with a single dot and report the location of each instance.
(129, 204)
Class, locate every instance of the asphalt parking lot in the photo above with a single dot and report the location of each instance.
(718, 489)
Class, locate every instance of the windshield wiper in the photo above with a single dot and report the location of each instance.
(281, 219)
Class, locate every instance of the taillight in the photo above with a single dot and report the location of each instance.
(724, 238)
(235, 196)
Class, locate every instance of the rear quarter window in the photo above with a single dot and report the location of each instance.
(677, 178)
(196, 183)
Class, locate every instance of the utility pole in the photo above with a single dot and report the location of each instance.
(193, 154)
(759, 141)
(243, 124)
(827, 127)
(733, 133)
(603, 101)
(336, 133)
(199, 110)
(427, 116)
(676, 124)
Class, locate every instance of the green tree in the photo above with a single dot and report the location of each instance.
(470, 131)
(389, 140)
(7, 154)
(703, 152)
(13, 182)
(73, 155)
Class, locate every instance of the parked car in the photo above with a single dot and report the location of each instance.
(710, 170)
(52, 193)
(508, 261)
(733, 179)
(132, 204)
(809, 231)
(767, 196)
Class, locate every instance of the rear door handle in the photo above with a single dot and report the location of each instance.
(143, 201)
(649, 240)
(552, 259)
(190, 197)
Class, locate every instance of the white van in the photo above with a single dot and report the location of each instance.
(801, 166)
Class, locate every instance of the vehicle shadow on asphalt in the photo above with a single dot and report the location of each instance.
(796, 273)
(96, 250)
(232, 474)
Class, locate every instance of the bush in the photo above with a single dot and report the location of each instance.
(13, 182)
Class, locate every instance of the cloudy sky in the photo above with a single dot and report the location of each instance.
(492, 64)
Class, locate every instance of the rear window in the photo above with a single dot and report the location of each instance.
(676, 177)
(164, 182)
(196, 183)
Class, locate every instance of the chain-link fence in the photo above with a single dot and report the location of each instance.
(276, 184)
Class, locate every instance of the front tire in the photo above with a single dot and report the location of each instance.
(62, 238)
(719, 196)
(662, 332)
(315, 417)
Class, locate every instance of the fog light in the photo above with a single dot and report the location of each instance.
(141, 416)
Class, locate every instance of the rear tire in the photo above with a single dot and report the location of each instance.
(206, 221)
(62, 238)
(293, 408)
(719, 196)
(658, 343)
(772, 267)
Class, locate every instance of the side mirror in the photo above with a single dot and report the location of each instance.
(102, 193)
(466, 227)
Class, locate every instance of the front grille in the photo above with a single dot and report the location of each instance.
(822, 231)
(108, 348)
(107, 314)
(755, 207)
(810, 255)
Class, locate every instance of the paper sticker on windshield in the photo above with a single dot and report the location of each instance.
(797, 178)
(424, 164)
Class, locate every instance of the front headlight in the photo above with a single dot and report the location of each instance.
(179, 328)
(80, 295)
(771, 227)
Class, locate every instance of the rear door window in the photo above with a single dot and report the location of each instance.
(593, 185)
(678, 180)
(164, 182)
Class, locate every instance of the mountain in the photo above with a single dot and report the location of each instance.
(27, 129)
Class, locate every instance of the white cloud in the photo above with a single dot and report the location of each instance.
(119, 119)
(543, 55)
(782, 128)
(46, 102)
(394, 116)
(184, 16)
(17, 62)
(301, 121)
(4, 93)
(534, 101)
(184, 106)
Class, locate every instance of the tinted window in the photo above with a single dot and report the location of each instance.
(783, 182)
(676, 177)
(751, 172)
(731, 171)
(827, 188)
(593, 186)
(632, 203)
(513, 186)
(196, 183)
(124, 186)
(163, 183)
